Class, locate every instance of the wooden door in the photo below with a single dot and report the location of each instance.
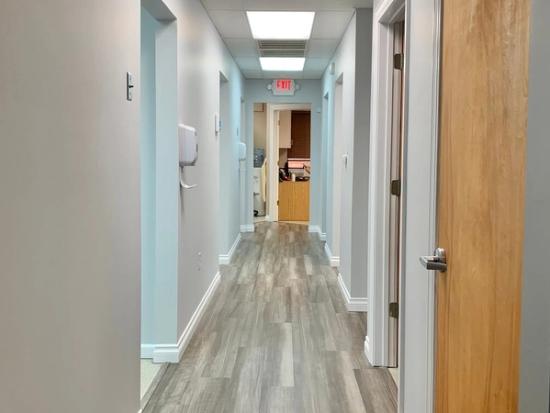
(483, 117)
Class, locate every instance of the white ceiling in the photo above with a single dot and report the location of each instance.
(331, 20)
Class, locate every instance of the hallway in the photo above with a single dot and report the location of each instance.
(276, 337)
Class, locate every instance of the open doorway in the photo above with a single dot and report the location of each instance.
(282, 162)
(259, 174)
(294, 137)
(159, 183)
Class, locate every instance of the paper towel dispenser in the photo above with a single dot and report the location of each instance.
(242, 151)
(188, 145)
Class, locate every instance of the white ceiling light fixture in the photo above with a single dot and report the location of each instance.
(281, 25)
(282, 64)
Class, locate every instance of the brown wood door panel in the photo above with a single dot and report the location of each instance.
(483, 117)
(300, 135)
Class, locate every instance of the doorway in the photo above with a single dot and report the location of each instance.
(282, 162)
(260, 182)
(396, 177)
(159, 185)
(294, 137)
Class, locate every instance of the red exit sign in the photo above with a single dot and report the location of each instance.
(283, 87)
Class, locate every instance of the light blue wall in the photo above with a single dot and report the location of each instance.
(202, 55)
(167, 185)
(353, 60)
(230, 194)
(310, 92)
(147, 156)
(159, 181)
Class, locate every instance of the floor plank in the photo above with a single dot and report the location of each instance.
(276, 338)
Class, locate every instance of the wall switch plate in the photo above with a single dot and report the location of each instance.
(129, 86)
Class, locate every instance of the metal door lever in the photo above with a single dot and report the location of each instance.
(436, 262)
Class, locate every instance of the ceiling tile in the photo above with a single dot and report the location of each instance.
(317, 64)
(242, 47)
(253, 74)
(248, 63)
(322, 47)
(231, 24)
(304, 5)
(331, 25)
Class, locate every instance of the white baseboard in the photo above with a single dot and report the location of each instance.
(247, 228)
(352, 303)
(171, 353)
(225, 259)
(368, 352)
(314, 229)
(323, 236)
(334, 261)
(147, 351)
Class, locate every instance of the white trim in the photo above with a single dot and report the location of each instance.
(147, 351)
(352, 303)
(334, 261)
(323, 236)
(314, 229)
(367, 348)
(378, 271)
(171, 353)
(417, 347)
(247, 228)
(225, 259)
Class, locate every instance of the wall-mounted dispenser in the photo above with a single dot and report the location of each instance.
(188, 150)
(242, 151)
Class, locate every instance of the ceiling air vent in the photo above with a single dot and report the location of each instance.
(282, 48)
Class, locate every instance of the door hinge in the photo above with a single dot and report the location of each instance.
(277, 202)
(394, 310)
(396, 187)
(398, 61)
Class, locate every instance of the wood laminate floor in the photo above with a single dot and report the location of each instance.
(276, 337)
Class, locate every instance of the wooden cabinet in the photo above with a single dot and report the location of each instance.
(294, 201)
(300, 135)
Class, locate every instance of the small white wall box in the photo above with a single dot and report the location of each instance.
(242, 151)
(188, 145)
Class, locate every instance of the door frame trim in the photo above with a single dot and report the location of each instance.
(421, 123)
(378, 270)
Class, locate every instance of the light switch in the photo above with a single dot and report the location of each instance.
(129, 86)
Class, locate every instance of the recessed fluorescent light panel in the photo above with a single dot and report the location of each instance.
(282, 64)
(281, 25)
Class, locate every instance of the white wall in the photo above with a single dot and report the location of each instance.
(310, 92)
(202, 55)
(69, 209)
(353, 66)
(535, 341)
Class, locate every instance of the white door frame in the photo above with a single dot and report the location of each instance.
(273, 155)
(417, 298)
(379, 252)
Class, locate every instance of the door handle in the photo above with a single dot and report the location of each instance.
(436, 262)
